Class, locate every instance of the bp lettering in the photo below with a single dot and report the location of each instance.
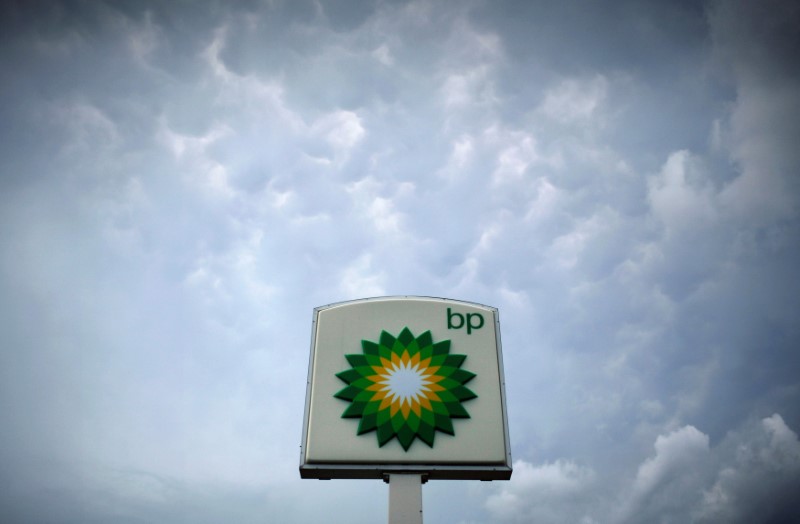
(456, 320)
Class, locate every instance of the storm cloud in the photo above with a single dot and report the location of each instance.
(181, 184)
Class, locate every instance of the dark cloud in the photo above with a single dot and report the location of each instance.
(746, 477)
(182, 184)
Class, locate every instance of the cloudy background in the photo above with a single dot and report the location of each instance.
(182, 183)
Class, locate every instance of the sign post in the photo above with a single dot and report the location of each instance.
(405, 499)
(405, 389)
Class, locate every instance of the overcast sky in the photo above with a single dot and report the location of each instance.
(181, 183)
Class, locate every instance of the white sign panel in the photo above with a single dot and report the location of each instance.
(405, 384)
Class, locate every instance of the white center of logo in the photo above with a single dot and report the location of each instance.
(405, 382)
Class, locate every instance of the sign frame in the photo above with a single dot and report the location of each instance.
(499, 467)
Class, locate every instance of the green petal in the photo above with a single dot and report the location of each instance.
(406, 436)
(438, 408)
(362, 383)
(349, 376)
(398, 348)
(369, 348)
(441, 348)
(448, 384)
(373, 360)
(438, 360)
(413, 421)
(457, 410)
(356, 409)
(454, 360)
(348, 393)
(357, 361)
(364, 396)
(405, 337)
(367, 424)
(372, 407)
(462, 376)
(463, 393)
(428, 417)
(386, 339)
(427, 433)
(425, 340)
(397, 421)
(447, 397)
(385, 433)
(443, 423)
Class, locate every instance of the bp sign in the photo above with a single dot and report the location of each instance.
(405, 384)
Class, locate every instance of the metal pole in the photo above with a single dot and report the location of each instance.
(405, 499)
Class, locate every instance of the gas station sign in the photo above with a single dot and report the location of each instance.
(405, 385)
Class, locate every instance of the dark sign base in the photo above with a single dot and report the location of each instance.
(461, 472)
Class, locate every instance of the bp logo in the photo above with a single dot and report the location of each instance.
(406, 387)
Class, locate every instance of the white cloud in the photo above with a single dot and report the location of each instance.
(222, 278)
(463, 149)
(674, 453)
(470, 87)
(120, 216)
(575, 101)
(751, 476)
(258, 97)
(550, 493)
(360, 279)
(758, 479)
(201, 168)
(182, 145)
(89, 130)
(514, 160)
(383, 54)
(679, 197)
(471, 63)
(144, 41)
(755, 45)
(342, 129)
(546, 203)
(374, 209)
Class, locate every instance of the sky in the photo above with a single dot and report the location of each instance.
(182, 183)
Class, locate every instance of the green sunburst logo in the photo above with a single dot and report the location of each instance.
(406, 387)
